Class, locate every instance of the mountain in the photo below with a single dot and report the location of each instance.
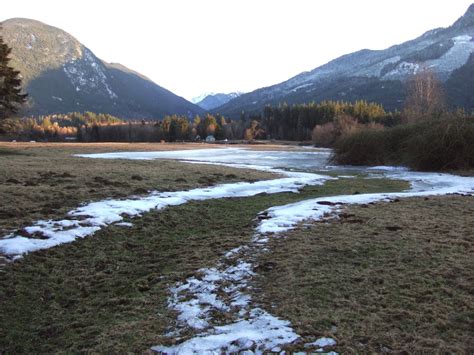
(379, 75)
(62, 75)
(211, 101)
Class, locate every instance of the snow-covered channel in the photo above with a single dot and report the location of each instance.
(223, 288)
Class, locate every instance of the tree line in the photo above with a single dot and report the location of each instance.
(283, 122)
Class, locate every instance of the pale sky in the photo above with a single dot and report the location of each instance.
(196, 46)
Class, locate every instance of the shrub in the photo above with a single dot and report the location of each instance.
(324, 135)
(446, 143)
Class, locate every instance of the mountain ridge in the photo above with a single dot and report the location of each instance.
(373, 75)
(61, 75)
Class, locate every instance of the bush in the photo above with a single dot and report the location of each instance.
(446, 143)
(365, 147)
(324, 135)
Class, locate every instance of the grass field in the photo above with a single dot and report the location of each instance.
(389, 277)
(383, 277)
(42, 181)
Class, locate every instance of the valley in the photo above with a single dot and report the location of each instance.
(252, 206)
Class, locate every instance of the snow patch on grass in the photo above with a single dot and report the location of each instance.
(196, 300)
(88, 219)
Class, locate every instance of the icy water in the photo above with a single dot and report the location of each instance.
(308, 159)
(222, 288)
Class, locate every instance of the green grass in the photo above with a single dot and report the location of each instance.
(107, 293)
(7, 152)
(385, 277)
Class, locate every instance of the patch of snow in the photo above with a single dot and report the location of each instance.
(376, 69)
(455, 57)
(124, 224)
(462, 39)
(301, 87)
(321, 343)
(403, 70)
(388, 168)
(201, 97)
(221, 289)
(285, 218)
(261, 332)
(87, 73)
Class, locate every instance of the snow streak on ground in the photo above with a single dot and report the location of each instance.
(221, 290)
(215, 313)
(86, 220)
(284, 218)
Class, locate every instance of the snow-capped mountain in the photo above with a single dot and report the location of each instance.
(61, 75)
(201, 97)
(212, 100)
(378, 75)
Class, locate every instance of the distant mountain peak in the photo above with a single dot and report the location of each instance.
(467, 20)
(212, 100)
(201, 97)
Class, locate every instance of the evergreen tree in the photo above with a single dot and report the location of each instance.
(10, 84)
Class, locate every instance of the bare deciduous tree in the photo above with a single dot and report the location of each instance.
(425, 96)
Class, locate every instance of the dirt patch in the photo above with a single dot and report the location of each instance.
(389, 277)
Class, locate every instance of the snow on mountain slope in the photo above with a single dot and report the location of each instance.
(212, 101)
(62, 75)
(371, 74)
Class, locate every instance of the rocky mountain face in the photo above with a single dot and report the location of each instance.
(379, 75)
(212, 101)
(61, 75)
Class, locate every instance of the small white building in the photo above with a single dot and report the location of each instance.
(210, 138)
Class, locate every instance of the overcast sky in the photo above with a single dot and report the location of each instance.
(196, 46)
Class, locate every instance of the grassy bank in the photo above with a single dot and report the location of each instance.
(446, 143)
(107, 293)
(390, 277)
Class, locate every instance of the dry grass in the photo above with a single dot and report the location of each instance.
(43, 181)
(108, 293)
(389, 277)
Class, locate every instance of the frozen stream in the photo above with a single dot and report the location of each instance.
(222, 288)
